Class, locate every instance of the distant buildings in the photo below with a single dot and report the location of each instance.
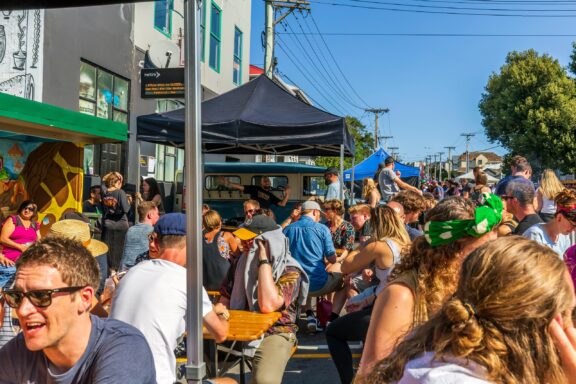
(490, 163)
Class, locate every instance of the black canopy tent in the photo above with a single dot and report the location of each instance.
(257, 117)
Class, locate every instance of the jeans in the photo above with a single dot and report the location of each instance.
(351, 327)
(7, 275)
(271, 357)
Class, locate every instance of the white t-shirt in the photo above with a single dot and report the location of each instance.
(152, 298)
(448, 370)
(539, 234)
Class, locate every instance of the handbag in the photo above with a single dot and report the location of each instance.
(323, 310)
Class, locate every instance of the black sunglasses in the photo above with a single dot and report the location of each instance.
(29, 208)
(40, 298)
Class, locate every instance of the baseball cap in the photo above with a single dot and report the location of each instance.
(332, 170)
(310, 205)
(389, 160)
(255, 227)
(171, 224)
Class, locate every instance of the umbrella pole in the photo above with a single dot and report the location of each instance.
(351, 202)
(138, 176)
(342, 172)
(195, 367)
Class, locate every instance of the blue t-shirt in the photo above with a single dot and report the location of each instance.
(309, 243)
(136, 244)
(333, 192)
(116, 353)
(539, 234)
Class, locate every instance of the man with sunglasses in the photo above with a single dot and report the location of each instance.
(152, 297)
(60, 341)
(518, 199)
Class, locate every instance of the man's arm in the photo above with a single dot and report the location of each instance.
(270, 299)
(216, 322)
(404, 185)
(228, 184)
(329, 250)
(284, 201)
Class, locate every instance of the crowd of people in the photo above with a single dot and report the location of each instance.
(452, 282)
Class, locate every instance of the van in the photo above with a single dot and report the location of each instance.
(306, 182)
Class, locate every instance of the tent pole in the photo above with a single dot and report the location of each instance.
(138, 175)
(351, 202)
(342, 172)
(195, 367)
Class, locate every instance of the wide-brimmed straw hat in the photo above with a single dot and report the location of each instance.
(79, 230)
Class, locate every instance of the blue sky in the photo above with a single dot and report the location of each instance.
(432, 85)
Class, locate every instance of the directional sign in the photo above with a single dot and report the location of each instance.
(163, 83)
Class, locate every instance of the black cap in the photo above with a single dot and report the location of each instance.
(389, 160)
(332, 170)
(255, 227)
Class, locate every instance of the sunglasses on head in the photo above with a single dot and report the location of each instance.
(40, 298)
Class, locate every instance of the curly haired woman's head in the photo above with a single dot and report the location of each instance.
(508, 293)
(438, 266)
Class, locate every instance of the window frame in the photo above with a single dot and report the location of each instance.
(170, 8)
(203, 32)
(218, 38)
(238, 57)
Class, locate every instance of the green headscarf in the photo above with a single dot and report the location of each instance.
(486, 217)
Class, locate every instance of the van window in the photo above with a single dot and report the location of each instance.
(277, 182)
(314, 186)
(211, 183)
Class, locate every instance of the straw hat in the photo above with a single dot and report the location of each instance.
(78, 230)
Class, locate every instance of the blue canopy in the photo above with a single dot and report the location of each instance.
(369, 166)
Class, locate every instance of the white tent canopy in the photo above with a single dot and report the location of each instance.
(470, 176)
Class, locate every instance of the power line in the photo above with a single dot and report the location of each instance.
(320, 2)
(318, 104)
(435, 34)
(458, 8)
(336, 62)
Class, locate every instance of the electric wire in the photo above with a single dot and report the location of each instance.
(457, 8)
(434, 34)
(316, 103)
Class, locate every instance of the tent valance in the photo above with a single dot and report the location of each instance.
(257, 117)
(20, 118)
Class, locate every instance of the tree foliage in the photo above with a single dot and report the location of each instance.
(530, 109)
(573, 59)
(363, 140)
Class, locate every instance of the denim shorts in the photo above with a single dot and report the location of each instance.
(7, 275)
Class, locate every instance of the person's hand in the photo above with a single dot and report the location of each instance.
(565, 340)
(398, 173)
(261, 244)
(6, 261)
(295, 213)
(222, 181)
(138, 196)
(367, 274)
(287, 189)
(220, 309)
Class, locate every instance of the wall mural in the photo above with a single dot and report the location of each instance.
(48, 173)
(21, 53)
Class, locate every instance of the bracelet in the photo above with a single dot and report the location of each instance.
(262, 262)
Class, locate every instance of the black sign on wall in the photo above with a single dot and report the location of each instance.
(167, 83)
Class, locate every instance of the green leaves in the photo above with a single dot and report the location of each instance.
(530, 109)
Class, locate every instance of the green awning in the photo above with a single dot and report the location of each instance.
(31, 118)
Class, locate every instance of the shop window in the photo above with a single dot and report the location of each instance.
(213, 183)
(215, 37)
(163, 16)
(237, 64)
(166, 163)
(276, 182)
(314, 186)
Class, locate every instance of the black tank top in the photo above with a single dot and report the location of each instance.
(214, 266)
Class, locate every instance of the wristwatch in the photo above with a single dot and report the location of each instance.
(262, 262)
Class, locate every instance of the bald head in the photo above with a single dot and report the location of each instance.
(398, 208)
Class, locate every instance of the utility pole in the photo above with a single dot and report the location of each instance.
(450, 160)
(271, 7)
(377, 112)
(440, 154)
(386, 138)
(435, 166)
(394, 152)
(468, 136)
(429, 163)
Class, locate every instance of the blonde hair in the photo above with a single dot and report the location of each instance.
(508, 293)
(549, 184)
(211, 220)
(437, 267)
(368, 186)
(111, 178)
(363, 209)
(336, 205)
(386, 224)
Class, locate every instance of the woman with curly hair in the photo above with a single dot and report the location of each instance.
(427, 276)
(496, 327)
(556, 232)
